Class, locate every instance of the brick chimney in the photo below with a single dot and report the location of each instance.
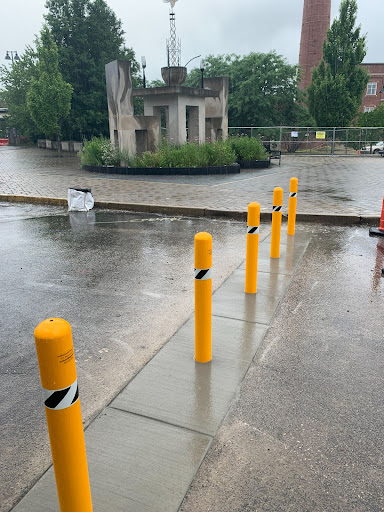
(316, 21)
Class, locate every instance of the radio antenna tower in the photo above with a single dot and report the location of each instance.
(173, 43)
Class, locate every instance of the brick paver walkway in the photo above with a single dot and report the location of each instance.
(327, 185)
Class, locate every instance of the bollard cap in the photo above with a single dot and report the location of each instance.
(253, 214)
(54, 347)
(293, 185)
(278, 196)
(203, 250)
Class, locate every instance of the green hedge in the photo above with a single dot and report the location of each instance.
(100, 151)
(247, 148)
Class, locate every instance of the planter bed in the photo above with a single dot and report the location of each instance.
(254, 164)
(170, 171)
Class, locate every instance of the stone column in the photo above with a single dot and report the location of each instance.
(193, 124)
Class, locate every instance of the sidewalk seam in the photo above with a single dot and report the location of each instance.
(160, 421)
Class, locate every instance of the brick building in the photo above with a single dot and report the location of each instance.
(372, 96)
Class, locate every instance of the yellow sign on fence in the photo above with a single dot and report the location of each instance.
(320, 135)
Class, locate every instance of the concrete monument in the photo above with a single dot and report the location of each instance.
(135, 134)
(190, 113)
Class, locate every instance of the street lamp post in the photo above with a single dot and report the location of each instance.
(202, 72)
(190, 60)
(13, 56)
(143, 65)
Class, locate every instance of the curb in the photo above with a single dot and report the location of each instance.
(51, 201)
(336, 220)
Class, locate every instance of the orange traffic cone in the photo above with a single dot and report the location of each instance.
(380, 230)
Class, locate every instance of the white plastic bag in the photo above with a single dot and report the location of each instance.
(80, 199)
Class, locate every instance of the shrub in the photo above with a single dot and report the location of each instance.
(186, 155)
(99, 151)
(247, 148)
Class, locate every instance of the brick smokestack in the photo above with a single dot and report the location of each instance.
(316, 21)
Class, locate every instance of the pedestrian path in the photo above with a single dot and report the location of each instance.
(341, 186)
(146, 447)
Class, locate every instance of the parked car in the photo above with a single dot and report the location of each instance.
(376, 147)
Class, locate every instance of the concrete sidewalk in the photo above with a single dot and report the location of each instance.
(146, 447)
(298, 365)
(305, 432)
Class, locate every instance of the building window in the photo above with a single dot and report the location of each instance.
(369, 109)
(371, 89)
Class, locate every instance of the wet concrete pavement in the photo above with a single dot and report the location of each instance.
(327, 185)
(304, 429)
(305, 432)
(124, 283)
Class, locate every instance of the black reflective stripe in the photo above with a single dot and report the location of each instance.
(53, 401)
(292, 194)
(277, 208)
(202, 273)
(252, 229)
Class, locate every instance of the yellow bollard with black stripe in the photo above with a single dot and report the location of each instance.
(54, 347)
(276, 222)
(292, 206)
(253, 223)
(203, 297)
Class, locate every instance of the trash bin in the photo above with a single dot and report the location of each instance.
(80, 199)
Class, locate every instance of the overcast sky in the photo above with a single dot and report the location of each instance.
(204, 27)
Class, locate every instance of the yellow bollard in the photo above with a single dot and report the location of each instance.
(253, 223)
(54, 347)
(203, 297)
(292, 206)
(276, 222)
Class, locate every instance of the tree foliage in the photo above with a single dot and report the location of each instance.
(262, 88)
(338, 82)
(48, 96)
(88, 36)
(373, 118)
(16, 81)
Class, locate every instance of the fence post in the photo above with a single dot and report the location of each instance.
(203, 297)
(276, 222)
(253, 223)
(54, 347)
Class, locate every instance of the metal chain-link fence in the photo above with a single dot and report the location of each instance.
(316, 141)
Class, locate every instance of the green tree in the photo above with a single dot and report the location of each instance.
(88, 36)
(16, 81)
(338, 83)
(48, 96)
(262, 88)
(375, 118)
